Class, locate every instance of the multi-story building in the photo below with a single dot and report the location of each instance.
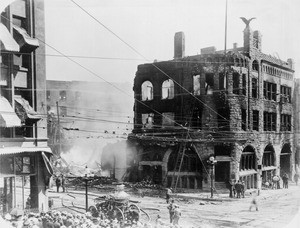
(234, 105)
(95, 119)
(296, 102)
(24, 155)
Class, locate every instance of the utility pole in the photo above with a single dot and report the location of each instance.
(58, 126)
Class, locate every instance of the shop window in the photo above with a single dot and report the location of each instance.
(255, 118)
(268, 157)
(167, 89)
(147, 91)
(196, 84)
(248, 159)
(254, 88)
(167, 119)
(24, 165)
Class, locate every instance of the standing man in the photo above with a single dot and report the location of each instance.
(171, 208)
(296, 178)
(285, 180)
(168, 194)
(58, 183)
(63, 182)
(176, 215)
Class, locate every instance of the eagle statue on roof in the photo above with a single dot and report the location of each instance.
(247, 21)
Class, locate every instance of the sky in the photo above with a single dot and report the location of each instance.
(126, 33)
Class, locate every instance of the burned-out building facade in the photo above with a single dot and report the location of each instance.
(234, 105)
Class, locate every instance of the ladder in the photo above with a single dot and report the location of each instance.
(178, 164)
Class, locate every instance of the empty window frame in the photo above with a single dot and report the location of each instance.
(255, 120)
(244, 119)
(269, 121)
(48, 95)
(254, 88)
(248, 159)
(270, 91)
(209, 83)
(268, 159)
(236, 83)
(148, 120)
(222, 81)
(167, 119)
(196, 84)
(147, 91)
(255, 65)
(285, 122)
(285, 93)
(167, 89)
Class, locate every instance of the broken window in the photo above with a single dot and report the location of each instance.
(222, 81)
(209, 83)
(270, 90)
(167, 119)
(147, 91)
(167, 89)
(196, 83)
(269, 121)
(148, 120)
(285, 122)
(285, 93)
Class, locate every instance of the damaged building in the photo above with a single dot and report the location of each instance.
(234, 105)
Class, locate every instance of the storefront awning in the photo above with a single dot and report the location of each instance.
(47, 164)
(24, 110)
(17, 150)
(8, 117)
(27, 43)
(7, 41)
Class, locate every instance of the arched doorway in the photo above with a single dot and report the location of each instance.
(285, 159)
(268, 164)
(248, 167)
(190, 173)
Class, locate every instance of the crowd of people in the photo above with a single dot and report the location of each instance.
(62, 219)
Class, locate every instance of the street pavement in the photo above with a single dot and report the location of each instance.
(277, 208)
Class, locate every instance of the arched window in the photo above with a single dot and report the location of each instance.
(147, 91)
(255, 65)
(167, 89)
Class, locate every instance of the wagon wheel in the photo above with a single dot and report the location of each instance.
(144, 216)
(133, 213)
(93, 211)
(116, 213)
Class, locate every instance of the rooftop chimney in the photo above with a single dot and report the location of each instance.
(179, 45)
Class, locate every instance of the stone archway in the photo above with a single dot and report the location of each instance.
(268, 163)
(190, 173)
(248, 167)
(285, 159)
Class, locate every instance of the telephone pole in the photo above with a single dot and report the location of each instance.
(58, 126)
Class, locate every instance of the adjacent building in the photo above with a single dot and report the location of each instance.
(234, 105)
(94, 121)
(25, 170)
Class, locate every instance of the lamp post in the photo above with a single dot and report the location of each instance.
(86, 177)
(211, 162)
